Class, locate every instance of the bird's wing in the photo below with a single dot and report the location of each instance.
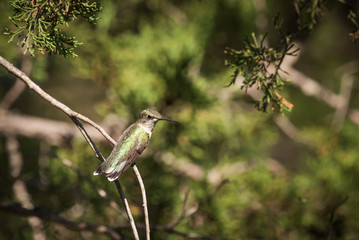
(124, 154)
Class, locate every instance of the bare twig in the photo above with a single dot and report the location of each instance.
(33, 86)
(144, 200)
(74, 117)
(76, 226)
(117, 183)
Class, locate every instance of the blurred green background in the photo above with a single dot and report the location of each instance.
(290, 177)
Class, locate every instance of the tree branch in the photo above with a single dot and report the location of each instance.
(22, 76)
(52, 131)
(74, 117)
(144, 200)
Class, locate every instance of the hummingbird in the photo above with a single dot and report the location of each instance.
(130, 145)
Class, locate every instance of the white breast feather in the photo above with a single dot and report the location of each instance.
(147, 130)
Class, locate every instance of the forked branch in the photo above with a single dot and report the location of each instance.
(74, 117)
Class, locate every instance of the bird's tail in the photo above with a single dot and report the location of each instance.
(111, 176)
(98, 171)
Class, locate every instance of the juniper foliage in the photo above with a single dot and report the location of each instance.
(37, 24)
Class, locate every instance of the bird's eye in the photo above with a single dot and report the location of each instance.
(149, 117)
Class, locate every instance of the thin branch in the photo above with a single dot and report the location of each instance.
(88, 138)
(74, 117)
(144, 200)
(76, 226)
(33, 86)
(117, 183)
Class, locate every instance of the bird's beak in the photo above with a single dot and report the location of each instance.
(170, 120)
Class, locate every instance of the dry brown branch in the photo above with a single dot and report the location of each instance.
(74, 117)
(22, 76)
(144, 201)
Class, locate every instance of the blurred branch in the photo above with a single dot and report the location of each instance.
(187, 213)
(297, 11)
(310, 87)
(216, 174)
(76, 226)
(18, 87)
(290, 130)
(18, 73)
(74, 117)
(19, 187)
(347, 80)
(52, 131)
(261, 20)
(175, 13)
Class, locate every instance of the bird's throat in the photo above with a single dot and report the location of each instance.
(148, 130)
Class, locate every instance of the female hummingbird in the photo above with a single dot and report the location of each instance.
(130, 145)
